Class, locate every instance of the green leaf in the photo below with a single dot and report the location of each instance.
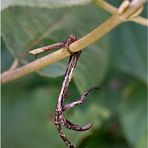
(108, 136)
(23, 27)
(54, 70)
(92, 68)
(43, 3)
(133, 113)
(129, 50)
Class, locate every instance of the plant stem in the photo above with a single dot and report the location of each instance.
(106, 6)
(14, 64)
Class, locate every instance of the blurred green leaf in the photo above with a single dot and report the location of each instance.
(29, 121)
(129, 50)
(92, 68)
(108, 136)
(6, 58)
(133, 113)
(24, 27)
(43, 3)
(142, 143)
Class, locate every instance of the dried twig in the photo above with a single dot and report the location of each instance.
(61, 107)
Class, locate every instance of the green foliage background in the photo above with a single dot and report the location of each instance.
(117, 63)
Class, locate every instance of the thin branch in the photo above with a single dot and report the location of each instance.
(90, 38)
(140, 20)
(14, 65)
(106, 6)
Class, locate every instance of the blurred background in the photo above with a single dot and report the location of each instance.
(117, 64)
